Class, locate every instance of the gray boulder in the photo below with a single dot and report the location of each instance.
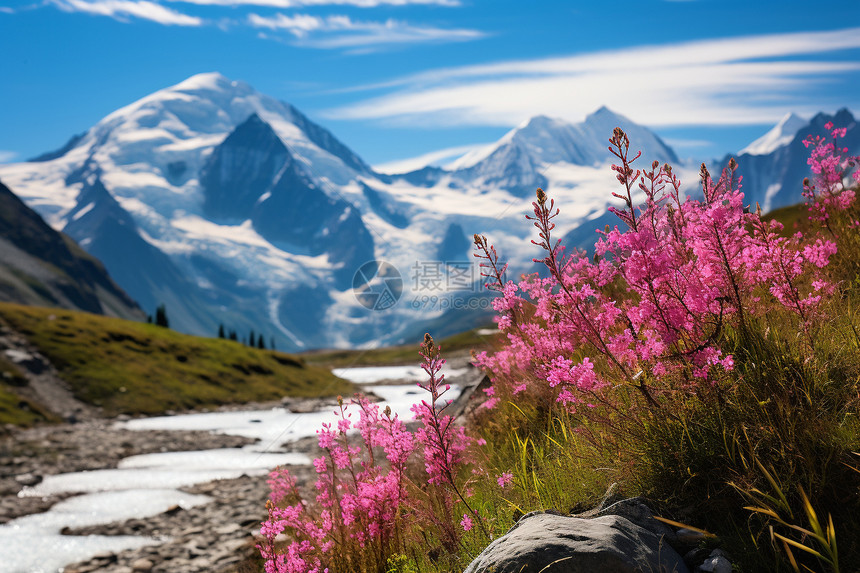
(635, 510)
(548, 543)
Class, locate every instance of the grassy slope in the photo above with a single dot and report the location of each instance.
(135, 368)
(15, 409)
(794, 218)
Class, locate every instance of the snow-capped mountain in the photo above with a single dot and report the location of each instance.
(781, 135)
(518, 161)
(231, 207)
(773, 167)
(185, 194)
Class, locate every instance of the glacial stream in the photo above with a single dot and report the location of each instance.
(146, 485)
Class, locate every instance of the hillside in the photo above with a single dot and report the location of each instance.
(40, 266)
(125, 367)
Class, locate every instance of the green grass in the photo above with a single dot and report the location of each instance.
(134, 368)
(394, 355)
(793, 218)
(20, 411)
(764, 458)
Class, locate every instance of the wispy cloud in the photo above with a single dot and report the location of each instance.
(432, 158)
(7, 156)
(6, 10)
(745, 80)
(335, 32)
(304, 3)
(679, 143)
(123, 10)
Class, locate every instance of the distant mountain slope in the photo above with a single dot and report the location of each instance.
(214, 200)
(781, 134)
(517, 162)
(231, 207)
(39, 266)
(773, 168)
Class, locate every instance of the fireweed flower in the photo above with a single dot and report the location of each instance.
(685, 268)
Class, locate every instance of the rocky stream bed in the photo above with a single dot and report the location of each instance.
(217, 536)
(215, 533)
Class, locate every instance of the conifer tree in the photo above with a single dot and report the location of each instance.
(161, 316)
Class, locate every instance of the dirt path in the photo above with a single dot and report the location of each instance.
(44, 386)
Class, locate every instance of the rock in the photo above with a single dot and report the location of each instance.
(716, 562)
(695, 556)
(142, 565)
(689, 536)
(228, 529)
(108, 556)
(608, 544)
(28, 479)
(636, 511)
(300, 405)
(26, 360)
(173, 510)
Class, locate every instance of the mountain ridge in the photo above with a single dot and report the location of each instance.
(775, 179)
(234, 208)
(40, 266)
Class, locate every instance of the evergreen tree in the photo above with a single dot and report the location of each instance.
(253, 341)
(233, 336)
(161, 316)
(260, 344)
(272, 343)
(221, 331)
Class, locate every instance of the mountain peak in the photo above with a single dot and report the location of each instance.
(205, 81)
(210, 85)
(781, 134)
(543, 140)
(604, 115)
(539, 120)
(536, 125)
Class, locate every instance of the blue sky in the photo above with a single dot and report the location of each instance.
(395, 79)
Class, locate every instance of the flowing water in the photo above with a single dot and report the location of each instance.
(146, 485)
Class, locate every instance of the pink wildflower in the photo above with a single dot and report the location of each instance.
(466, 522)
(504, 479)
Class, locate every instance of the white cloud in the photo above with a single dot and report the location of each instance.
(678, 143)
(432, 158)
(7, 156)
(708, 82)
(298, 25)
(6, 10)
(123, 9)
(334, 32)
(303, 3)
